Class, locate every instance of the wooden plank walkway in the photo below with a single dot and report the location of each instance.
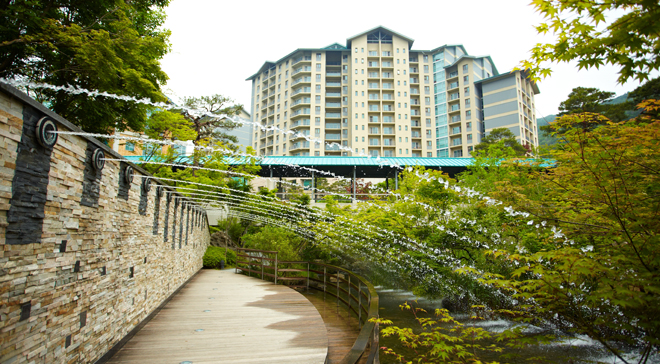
(342, 327)
(244, 320)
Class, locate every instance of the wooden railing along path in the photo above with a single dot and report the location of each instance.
(356, 293)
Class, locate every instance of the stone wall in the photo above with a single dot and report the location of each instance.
(85, 257)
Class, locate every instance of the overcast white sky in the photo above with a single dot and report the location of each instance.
(216, 45)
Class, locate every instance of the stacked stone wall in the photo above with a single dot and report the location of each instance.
(83, 257)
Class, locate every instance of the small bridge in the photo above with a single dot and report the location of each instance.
(224, 317)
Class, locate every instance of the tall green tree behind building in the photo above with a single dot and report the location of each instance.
(107, 45)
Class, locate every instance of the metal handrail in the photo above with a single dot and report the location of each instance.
(365, 295)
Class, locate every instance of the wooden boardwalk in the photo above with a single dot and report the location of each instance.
(243, 320)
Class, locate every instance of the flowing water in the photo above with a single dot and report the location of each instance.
(579, 349)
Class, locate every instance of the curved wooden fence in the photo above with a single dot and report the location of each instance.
(352, 290)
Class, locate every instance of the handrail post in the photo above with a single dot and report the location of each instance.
(337, 276)
(360, 303)
(262, 267)
(308, 276)
(324, 284)
(349, 296)
(275, 268)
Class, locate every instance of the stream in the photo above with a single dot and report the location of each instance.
(579, 349)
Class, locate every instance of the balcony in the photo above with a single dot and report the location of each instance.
(373, 119)
(416, 145)
(332, 94)
(374, 108)
(332, 125)
(333, 84)
(414, 91)
(304, 111)
(388, 108)
(387, 64)
(388, 119)
(388, 75)
(413, 60)
(452, 86)
(332, 115)
(304, 100)
(387, 54)
(452, 75)
(372, 74)
(332, 148)
(301, 80)
(387, 142)
(301, 59)
(373, 54)
(298, 70)
(333, 74)
(416, 134)
(332, 104)
(388, 130)
(455, 119)
(329, 136)
(299, 145)
(301, 90)
(301, 134)
(456, 142)
(388, 97)
(299, 123)
(413, 70)
(415, 124)
(414, 80)
(374, 85)
(374, 142)
(415, 113)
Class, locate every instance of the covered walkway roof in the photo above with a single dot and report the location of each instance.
(365, 167)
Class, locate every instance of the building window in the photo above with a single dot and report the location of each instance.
(318, 56)
(318, 78)
(466, 91)
(467, 102)
(465, 68)
(468, 115)
(426, 58)
(130, 147)
(318, 88)
(466, 79)
(317, 121)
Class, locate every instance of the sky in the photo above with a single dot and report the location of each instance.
(217, 45)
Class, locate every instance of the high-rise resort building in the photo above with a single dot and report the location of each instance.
(377, 96)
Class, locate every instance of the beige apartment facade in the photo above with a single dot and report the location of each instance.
(375, 96)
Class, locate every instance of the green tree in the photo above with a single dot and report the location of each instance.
(593, 100)
(503, 137)
(601, 279)
(629, 42)
(108, 45)
(170, 126)
(273, 238)
(209, 118)
(648, 91)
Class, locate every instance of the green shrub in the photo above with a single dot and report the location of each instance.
(214, 255)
